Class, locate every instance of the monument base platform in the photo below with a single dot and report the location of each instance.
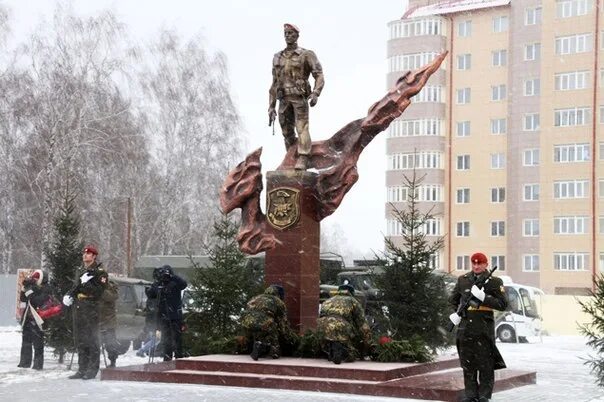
(439, 380)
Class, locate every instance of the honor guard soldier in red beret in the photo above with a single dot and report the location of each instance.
(478, 354)
(86, 294)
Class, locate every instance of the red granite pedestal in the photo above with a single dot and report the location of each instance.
(440, 380)
(294, 263)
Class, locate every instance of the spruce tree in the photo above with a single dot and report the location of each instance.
(414, 297)
(220, 291)
(63, 256)
(594, 329)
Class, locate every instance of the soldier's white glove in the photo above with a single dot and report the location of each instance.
(455, 318)
(28, 292)
(86, 277)
(67, 300)
(478, 293)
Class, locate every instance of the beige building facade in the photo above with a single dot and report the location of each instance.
(508, 133)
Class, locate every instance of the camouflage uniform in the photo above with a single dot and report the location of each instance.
(265, 320)
(342, 320)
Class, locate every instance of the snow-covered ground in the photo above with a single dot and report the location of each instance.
(561, 376)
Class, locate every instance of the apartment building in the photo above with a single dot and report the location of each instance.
(508, 133)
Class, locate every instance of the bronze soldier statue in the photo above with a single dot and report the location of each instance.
(291, 70)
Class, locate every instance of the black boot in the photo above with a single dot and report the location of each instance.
(337, 352)
(256, 350)
(111, 363)
(76, 376)
(274, 352)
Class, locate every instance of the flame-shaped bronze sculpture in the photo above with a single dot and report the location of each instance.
(335, 159)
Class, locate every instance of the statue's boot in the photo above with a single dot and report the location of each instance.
(302, 162)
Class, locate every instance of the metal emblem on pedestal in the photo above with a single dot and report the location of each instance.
(283, 207)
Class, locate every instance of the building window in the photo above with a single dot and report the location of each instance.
(411, 128)
(531, 122)
(569, 153)
(463, 162)
(430, 193)
(570, 189)
(531, 157)
(500, 58)
(429, 93)
(498, 161)
(432, 227)
(420, 27)
(415, 160)
(569, 225)
(601, 115)
(397, 193)
(531, 192)
(498, 261)
(463, 128)
(498, 92)
(464, 96)
(462, 263)
(601, 188)
(601, 146)
(530, 227)
(497, 228)
(464, 28)
(532, 16)
(500, 24)
(498, 194)
(463, 229)
(572, 8)
(498, 126)
(601, 265)
(412, 61)
(463, 196)
(571, 261)
(531, 263)
(577, 116)
(571, 81)
(464, 62)
(532, 87)
(532, 51)
(573, 44)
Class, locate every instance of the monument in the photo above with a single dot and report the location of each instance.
(297, 199)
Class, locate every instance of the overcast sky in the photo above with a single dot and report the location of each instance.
(348, 37)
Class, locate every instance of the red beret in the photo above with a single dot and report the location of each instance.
(479, 258)
(91, 249)
(291, 26)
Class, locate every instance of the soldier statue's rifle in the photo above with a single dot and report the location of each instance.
(463, 306)
(271, 121)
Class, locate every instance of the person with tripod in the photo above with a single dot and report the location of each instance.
(87, 292)
(478, 355)
(167, 290)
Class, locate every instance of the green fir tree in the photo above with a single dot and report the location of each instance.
(63, 256)
(220, 292)
(414, 297)
(594, 330)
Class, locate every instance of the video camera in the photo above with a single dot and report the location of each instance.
(163, 274)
